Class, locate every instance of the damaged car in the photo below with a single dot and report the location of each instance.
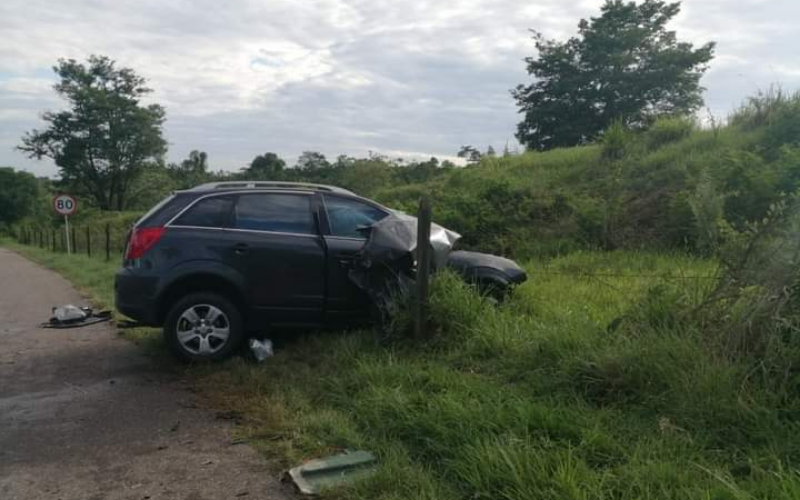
(218, 262)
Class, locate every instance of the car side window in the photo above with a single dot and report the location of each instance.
(347, 215)
(278, 212)
(208, 212)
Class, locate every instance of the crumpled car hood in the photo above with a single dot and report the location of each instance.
(395, 236)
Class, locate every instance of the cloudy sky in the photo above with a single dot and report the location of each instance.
(400, 77)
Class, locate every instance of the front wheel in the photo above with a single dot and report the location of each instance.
(496, 290)
(203, 327)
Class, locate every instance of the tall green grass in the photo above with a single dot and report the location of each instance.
(586, 384)
(537, 399)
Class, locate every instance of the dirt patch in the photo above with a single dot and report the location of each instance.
(84, 415)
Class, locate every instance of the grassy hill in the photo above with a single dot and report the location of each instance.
(673, 186)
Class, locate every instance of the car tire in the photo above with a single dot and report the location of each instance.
(496, 290)
(203, 326)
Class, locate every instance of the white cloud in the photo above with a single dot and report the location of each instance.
(343, 76)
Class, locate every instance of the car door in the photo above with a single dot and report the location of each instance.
(278, 248)
(343, 218)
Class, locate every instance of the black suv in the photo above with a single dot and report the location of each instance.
(215, 262)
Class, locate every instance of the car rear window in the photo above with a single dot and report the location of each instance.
(284, 213)
(208, 212)
(162, 211)
(346, 216)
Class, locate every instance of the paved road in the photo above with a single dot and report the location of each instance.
(84, 416)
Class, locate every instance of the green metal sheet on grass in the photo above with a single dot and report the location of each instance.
(316, 475)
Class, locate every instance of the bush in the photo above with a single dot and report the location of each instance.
(761, 109)
(754, 312)
(668, 130)
(616, 140)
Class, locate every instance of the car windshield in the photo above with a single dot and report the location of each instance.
(348, 216)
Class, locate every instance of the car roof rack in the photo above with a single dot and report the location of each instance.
(210, 186)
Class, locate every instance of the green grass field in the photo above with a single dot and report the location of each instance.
(588, 384)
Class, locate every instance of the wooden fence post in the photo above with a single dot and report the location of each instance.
(423, 267)
(108, 241)
(53, 238)
(74, 241)
(88, 242)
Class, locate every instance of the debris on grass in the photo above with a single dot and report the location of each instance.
(315, 475)
(261, 349)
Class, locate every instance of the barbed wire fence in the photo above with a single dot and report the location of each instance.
(108, 241)
(92, 240)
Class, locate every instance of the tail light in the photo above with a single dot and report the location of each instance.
(142, 240)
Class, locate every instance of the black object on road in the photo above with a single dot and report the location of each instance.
(69, 316)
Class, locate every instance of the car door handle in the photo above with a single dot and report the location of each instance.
(241, 248)
(346, 259)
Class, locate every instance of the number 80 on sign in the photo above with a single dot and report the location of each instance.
(64, 204)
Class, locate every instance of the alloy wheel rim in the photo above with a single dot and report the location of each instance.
(203, 329)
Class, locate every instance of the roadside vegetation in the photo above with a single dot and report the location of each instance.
(675, 186)
(591, 382)
(653, 353)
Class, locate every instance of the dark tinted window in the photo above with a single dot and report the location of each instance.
(208, 212)
(347, 215)
(285, 213)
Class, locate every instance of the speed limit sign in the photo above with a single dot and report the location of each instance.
(64, 204)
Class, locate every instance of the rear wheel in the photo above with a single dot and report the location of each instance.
(203, 327)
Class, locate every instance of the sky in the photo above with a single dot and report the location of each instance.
(405, 78)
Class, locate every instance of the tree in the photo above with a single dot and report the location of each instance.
(624, 65)
(106, 137)
(366, 176)
(312, 160)
(196, 163)
(155, 183)
(191, 171)
(265, 167)
(470, 153)
(19, 192)
(418, 171)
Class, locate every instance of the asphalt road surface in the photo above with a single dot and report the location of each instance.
(85, 416)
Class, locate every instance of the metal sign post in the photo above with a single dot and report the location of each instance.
(66, 230)
(64, 204)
